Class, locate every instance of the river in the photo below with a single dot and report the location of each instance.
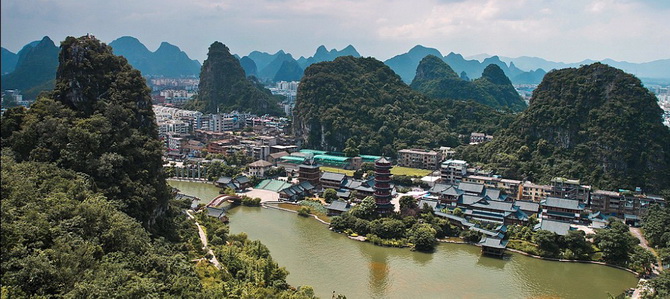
(330, 262)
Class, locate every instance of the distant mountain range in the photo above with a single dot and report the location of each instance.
(35, 68)
(646, 71)
(405, 66)
(281, 66)
(168, 60)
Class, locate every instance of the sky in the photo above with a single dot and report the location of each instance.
(565, 30)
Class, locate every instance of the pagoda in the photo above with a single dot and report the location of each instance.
(383, 186)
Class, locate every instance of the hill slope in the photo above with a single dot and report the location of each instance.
(9, 60)
(225, 87)
(35, 70)
(362, 103)
(596, 123)
(438, 80)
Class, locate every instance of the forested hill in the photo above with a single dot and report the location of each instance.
(595, 123)
(363, 104)
(86, 211)
(35, 69)
(224, 87)
(437, 79)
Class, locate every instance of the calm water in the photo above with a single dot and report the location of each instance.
(330, 262)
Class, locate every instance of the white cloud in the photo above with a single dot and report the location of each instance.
(568, 30)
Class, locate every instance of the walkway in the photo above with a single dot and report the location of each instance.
(203, 239)
(637, 232)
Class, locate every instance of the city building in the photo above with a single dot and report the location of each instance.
(418, 158)
(567, 188)
(624, 204)
(259, 168)
(533, 192)
(562, 209)
(453, 171)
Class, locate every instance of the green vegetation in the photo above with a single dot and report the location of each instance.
(86, 212)
(420, 231)
(330, 195)
(224, 87)
(614, 245)
(337, 170)
(407, 171)
(655, 227)
(304, 211)
(35, 70)
(595, 123)
(437, 79)
(360, 103)
(104, 129)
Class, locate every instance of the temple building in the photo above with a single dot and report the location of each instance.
(382, 186)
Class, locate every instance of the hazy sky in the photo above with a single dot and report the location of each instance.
(565, 30)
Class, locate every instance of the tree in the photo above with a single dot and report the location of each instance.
(423, 237)
(366, 209)
(471, 236)
(458, 212)
(547, 242)
(387, 228)
(407, 203)
(330, 195)
(615, 242)
(351, 148)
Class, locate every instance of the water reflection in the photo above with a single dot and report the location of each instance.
(491, 262)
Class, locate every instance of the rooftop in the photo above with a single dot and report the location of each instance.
(563, 203)
(332, 176)
(559, 227)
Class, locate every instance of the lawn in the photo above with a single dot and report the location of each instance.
(399, 170)
(337, 170)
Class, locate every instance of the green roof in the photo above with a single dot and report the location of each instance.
(369, 158)
(292, 158)
(331, 158)
(311, 151)
(273, 185)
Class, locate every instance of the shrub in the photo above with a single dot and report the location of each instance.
(304, 211)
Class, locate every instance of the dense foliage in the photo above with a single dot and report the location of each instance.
(437, 79)
(595, 123)
(420, 231)
(224, 86)
(35, 70)
(655, 227)
(360, 102)
(98, 121)
(77, 190)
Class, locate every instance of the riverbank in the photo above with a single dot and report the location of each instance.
(363, 270)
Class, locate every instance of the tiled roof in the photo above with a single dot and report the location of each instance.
(471, 188)
(528, 205)
(562, 203)
(332, 176)
(493, 242)
(339, 205)
(554, 226)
